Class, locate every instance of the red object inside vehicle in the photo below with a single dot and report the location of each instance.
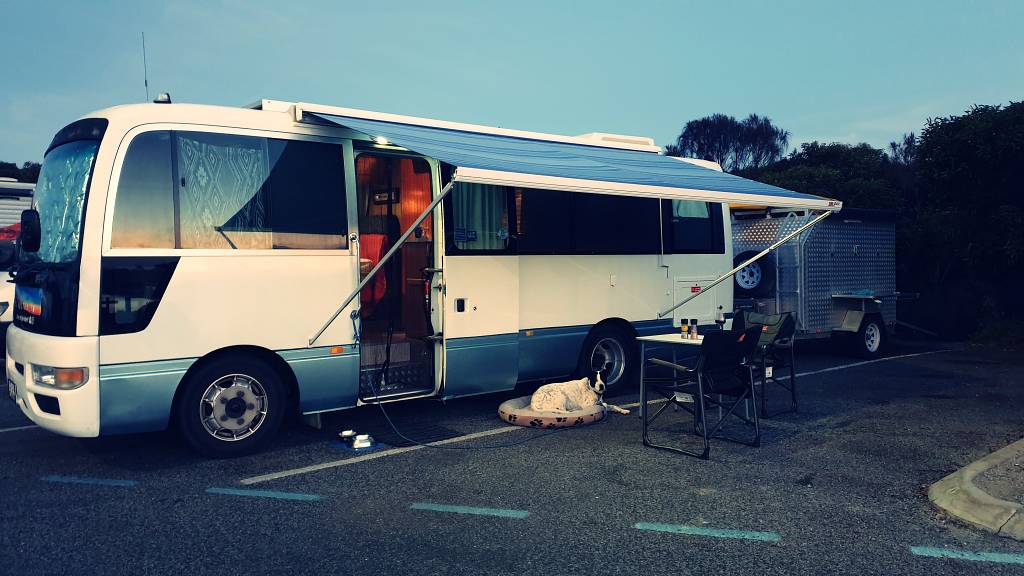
(10, 233)
(372, 247)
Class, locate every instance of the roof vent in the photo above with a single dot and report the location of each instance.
(618, 138)
(162, 98)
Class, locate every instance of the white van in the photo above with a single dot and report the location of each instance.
(215, 268)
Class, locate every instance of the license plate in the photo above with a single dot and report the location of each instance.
(12, 390)
(768, 372)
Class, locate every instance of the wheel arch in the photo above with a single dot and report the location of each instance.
(272, 358)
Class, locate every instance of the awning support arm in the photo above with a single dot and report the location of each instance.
(743, 265)
(394, 249)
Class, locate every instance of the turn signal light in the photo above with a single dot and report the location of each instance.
(61, 378)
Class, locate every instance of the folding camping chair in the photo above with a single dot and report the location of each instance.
(776, 344)
(717, 375)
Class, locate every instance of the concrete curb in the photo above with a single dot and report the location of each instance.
(958, 495)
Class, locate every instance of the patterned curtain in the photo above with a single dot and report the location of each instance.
(224, 199)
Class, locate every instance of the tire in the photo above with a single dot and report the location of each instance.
(756, 279)
(231, 406)
(871, 338)
(615, 349)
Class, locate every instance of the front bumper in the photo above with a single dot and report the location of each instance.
(79, 409)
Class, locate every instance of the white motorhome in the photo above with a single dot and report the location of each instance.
(215, 268)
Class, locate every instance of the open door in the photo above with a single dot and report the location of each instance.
(398, 315)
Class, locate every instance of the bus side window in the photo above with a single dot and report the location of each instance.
(480, 218)
(144, 203)
(693, 227)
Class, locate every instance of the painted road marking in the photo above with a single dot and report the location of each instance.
(16, 428)
(865, 362)
(501, 512)
(713, 532)
(824, 370)
(374, 456)
(264, 494)
(1000, 557)
(91, 481)
(502, 430)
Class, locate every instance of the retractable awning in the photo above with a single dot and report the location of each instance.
(501, 159)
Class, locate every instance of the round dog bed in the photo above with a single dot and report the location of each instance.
(517, 411)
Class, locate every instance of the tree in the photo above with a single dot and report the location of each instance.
(736, 145)
(859, 175)
(29, 171)
(903, 152)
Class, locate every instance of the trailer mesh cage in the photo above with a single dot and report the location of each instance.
(852, 253)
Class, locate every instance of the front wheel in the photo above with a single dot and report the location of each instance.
(871, 338)
(230, 407)
(612, 353)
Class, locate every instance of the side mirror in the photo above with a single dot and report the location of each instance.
(30, 230)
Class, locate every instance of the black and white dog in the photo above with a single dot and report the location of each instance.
(572, 396)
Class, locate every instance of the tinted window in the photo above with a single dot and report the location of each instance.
(605, 224)
(693, 227)
(307, 195)
(543, 223)
(144, 204)
(130, 291)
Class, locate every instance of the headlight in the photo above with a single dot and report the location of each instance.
(62, 378)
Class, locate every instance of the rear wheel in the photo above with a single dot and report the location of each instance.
(755, 279)
(611, 352)
(871, 338)
(231, 406)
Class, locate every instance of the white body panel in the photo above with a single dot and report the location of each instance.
(491, 288)
(80, 408)
(213, 302)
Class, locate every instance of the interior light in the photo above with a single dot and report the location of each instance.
(380, 140)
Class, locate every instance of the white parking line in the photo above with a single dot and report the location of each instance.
(16, 428)
(503, 429)
(865, 362)
(374, 456)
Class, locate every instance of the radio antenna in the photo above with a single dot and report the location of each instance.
(145, 67)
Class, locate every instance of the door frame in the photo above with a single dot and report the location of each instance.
(437, 282)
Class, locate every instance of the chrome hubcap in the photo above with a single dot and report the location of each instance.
(609, 359)
(749, 276)
(872, 337)
(233, 407)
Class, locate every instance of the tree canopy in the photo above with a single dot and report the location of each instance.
(28, 172)
(753, 142)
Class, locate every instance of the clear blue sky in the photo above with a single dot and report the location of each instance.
(835, 71)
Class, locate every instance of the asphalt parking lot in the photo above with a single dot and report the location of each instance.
(838, 488)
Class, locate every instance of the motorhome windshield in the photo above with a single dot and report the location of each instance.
(60, 199)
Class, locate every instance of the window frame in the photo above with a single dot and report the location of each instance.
(452, 249)
(717, 211)
(348, 160)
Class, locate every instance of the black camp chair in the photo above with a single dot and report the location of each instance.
(776, 345)
(718, 375)
(776, 351)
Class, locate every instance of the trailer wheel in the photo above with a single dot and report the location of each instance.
(871, 338)
(755, 279)
(231, 406)
(613, 353)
